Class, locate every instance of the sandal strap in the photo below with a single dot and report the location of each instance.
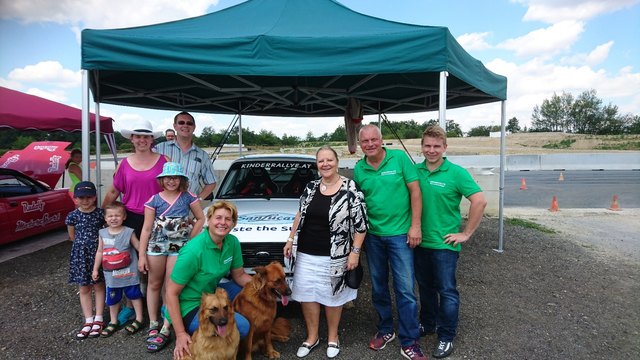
(310, 346)
(134, 326)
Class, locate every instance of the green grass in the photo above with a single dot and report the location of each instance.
(563, 144)
(530, 225)
(629, 145)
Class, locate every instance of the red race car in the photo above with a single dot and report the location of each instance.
(29, 207)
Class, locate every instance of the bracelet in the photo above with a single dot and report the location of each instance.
(289, 239)
(355, 250)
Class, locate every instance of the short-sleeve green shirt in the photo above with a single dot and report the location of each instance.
(442, 190)
(386, 193)
(201, 265)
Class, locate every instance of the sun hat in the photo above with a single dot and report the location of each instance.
(84, 188)
(172, 169)
(142, 127)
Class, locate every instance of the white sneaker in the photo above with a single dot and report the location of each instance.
(333, 349)
(306, 348)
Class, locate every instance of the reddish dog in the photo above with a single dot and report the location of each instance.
(258, 302)
(217, 336)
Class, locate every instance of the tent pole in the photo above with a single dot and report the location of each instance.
(85, 125)
(442, 110)
(98, 156)
(239, 134)
(503, 120)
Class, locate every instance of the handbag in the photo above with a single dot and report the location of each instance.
(353, 277)
(112, 259)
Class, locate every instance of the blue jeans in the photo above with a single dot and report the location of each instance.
(439, 298)
(242, 323)
(384, 252)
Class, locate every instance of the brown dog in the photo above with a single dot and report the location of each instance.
(258, 302)
(217, 336)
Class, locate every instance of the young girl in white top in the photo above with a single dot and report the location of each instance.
(167, 227)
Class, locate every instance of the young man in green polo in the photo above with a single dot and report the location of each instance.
(443, 184)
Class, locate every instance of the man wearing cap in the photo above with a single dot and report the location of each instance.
(194, 160)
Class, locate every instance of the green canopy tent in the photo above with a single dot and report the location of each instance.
(294, 58)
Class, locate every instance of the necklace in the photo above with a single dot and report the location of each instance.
(323, 185)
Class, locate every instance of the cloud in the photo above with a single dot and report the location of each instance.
(10, 84)
(595, 57)
(531, 82)
(554, 11)
(47, 72)
(57, 96)
(548, 41)
(99, 14)
(474, 41)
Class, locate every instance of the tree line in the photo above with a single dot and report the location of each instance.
(583, 114)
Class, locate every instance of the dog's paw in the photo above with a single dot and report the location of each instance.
(273, 355)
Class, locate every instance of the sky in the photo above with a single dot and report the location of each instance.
(542, 47)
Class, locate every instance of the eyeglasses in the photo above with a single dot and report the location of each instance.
(172, 178)
(190, 123)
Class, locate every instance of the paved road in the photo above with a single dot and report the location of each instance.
(580, 189)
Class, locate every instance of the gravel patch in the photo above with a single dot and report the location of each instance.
(543, 297)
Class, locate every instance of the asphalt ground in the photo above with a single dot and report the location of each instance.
(546, 296)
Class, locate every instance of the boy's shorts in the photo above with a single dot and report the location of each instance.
(114, 295)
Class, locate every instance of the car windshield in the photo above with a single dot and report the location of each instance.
(267, 179)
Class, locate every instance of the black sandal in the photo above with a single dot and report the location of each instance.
(157, 343)
(109, 330)
(133, 327)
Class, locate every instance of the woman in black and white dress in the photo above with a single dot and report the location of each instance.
(330, 226)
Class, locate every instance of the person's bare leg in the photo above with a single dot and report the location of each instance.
(171, 262)
(333, 314)
(138, 307)
(311, 312)
(85, 301)
(154, 286)
(100, 292)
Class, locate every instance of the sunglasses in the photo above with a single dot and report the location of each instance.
(182, 122)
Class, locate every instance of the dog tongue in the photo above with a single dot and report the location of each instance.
(285, 300)
(221, 329)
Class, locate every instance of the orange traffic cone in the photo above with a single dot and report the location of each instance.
(614, 204)
(554, 204)
(523, 184)
(561, 178)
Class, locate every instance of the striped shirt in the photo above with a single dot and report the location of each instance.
(196, 163)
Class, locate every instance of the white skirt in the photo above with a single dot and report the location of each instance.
(312, 283)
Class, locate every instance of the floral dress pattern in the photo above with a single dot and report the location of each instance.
(85, 245)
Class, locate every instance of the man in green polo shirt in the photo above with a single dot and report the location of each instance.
(389, 182)
(443, 185)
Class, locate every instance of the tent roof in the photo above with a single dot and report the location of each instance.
(284, 58)
(29, 112)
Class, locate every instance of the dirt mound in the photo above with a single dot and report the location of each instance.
(517, 144)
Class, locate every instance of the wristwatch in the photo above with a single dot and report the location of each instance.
(355, 250)
(290, 239)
